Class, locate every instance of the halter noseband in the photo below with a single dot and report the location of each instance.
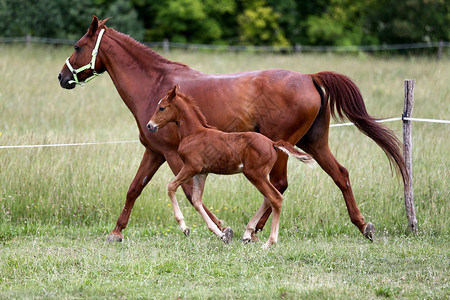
(90, 65)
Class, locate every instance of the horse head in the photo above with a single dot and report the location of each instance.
(165, 112)
(84, 65)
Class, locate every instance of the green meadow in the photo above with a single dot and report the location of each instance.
(58, 204)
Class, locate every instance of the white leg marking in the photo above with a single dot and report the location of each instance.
(199, 184)
(251, 226)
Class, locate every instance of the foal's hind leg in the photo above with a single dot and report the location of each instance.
(278, 177)
(249, 234)
(275, 199)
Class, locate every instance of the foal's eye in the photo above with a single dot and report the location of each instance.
(77, 48)
(161, 108)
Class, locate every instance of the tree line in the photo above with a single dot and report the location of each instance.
(237, 22)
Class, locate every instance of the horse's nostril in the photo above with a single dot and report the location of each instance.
(59, 76)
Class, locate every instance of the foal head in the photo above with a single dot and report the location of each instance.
(165, 112)
(84, 63)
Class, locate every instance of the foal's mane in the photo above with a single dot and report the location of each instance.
(193, 106)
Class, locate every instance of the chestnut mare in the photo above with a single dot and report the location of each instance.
(279, 104)
(204, 149)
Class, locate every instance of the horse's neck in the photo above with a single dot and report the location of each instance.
(137, 73)
(188, 121)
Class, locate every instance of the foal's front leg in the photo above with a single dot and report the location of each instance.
(181, 178)
(199, 185)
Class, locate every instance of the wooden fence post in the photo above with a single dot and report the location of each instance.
(441, 45)
(407, 153)
(166, 45)
(28, 40)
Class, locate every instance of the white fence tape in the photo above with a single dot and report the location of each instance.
(379, 121)
(135, 141)
(64, 145)
(427, 120)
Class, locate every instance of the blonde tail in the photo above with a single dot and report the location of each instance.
(290, 150)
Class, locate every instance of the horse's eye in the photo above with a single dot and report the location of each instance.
(161, 108)
(77, 48)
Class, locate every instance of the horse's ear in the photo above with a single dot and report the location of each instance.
(177, 88)
(94, 25)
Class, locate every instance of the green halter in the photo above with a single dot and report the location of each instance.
(90, 65)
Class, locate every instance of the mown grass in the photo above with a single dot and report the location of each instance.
(73, 265)
(58, 204)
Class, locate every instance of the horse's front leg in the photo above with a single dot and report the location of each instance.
(149, 165)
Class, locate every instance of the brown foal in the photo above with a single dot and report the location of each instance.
(204, 149)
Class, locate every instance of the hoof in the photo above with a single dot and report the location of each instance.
(112, 238)
(186, 232)
(227, 235)
(246, 241)
(369, 231)
(254, 237)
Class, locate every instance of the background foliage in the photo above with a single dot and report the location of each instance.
(248, 22)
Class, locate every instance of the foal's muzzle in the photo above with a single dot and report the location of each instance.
(152, 127)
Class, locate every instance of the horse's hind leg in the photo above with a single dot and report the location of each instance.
(150, 163)
(340, 175)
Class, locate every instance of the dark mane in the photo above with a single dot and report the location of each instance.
(191, 103)
(145, 50)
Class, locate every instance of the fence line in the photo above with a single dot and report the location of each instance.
(65, 145)
(135, 141)
(166, 45)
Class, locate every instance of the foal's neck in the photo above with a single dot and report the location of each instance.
(188, 120)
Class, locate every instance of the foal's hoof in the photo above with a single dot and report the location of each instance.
(246, 241)
(186, 232)
(113, 238)
(369, 231)
(227, 235)
(254, 237)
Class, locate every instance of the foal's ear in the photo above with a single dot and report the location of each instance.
(94, 25)
(173, 92)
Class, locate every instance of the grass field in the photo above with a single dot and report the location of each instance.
(58, 204)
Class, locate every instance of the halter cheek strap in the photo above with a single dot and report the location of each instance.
(90, 65)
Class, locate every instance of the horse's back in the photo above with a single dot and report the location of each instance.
(270, 101)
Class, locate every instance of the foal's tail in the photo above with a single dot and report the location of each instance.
(346, 100)
(290, 150)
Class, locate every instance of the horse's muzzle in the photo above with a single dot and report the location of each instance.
(152, 127)
(64, 81)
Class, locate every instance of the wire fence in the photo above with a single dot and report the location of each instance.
(167, 45)
(136, 141)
